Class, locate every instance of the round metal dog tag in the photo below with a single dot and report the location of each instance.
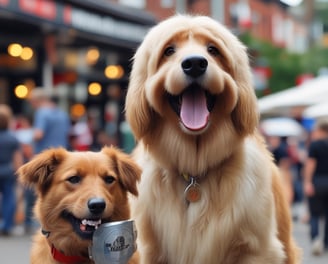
(193, 192)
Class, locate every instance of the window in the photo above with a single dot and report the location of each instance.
(133, 3)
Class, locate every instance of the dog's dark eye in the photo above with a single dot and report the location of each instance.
(109, 179)
(74, 179)
(214, 51)
(170, 50)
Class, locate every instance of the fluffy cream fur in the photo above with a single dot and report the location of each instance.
(242, 216)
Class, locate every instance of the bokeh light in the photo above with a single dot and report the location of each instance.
(15, 49)
(27, 53)
(77, 110)
(94, 88)
(21, 91)
(114, 71)
(92, 56)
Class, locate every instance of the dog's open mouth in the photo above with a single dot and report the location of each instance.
(193, 106)
(83, 227)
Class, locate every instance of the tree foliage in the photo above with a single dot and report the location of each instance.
(285, 66)
(315, 59)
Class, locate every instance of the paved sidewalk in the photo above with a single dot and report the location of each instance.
(301, 234)
(15, 250)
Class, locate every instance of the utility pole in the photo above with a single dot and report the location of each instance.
(217, 7)
(180, 6)
(309, 15)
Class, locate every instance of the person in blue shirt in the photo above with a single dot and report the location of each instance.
(11, 158)
(51, 124)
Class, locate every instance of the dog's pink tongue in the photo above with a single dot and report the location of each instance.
(194, 113)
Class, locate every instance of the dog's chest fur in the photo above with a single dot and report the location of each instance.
(220, 225)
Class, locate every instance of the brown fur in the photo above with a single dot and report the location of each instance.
(242, 216)
(49, 173)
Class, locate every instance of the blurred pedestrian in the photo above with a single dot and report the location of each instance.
(51, 124)
(24, 133)
(81, 136)
(11, 159)
(279, 148)
(316, 184)
(297, 152)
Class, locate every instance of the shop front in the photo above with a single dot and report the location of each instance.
(80, 51)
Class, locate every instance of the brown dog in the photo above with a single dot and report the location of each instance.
(209, 191)
(76, 192)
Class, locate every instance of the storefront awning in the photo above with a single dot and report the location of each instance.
(85, 18)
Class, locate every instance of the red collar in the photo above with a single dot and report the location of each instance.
(60, 257)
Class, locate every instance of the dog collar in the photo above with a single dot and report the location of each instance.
(60, 257)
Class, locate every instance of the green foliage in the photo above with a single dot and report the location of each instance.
(285, 66)
(314, 59)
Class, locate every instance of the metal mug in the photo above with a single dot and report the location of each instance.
(114, 242)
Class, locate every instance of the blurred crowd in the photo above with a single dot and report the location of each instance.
(303, 163)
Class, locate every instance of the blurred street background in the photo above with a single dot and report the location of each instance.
(79, 52)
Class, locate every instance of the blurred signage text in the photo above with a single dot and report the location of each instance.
(70, 16)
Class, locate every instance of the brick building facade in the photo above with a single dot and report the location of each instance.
(268, 20)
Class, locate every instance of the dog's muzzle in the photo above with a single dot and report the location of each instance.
(114, 242)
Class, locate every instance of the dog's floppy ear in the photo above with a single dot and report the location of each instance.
(245, 116)
(137, 109)
(38, 172)
(127, 170)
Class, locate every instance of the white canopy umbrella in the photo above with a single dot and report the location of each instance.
(317, 110)
(282, 127)
(311, 92)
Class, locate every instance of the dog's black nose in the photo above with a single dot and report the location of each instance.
(194, 66)
(96, 205)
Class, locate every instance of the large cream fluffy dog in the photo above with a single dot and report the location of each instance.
(209, 192)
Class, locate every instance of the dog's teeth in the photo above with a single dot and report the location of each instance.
(91, 222)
